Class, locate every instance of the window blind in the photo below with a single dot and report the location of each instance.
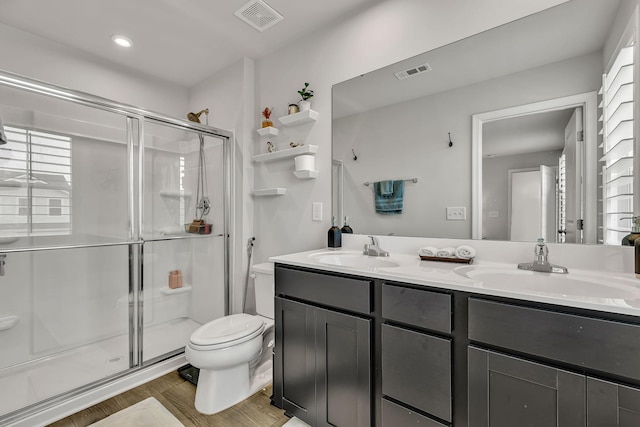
(617, 147)
(35, 182)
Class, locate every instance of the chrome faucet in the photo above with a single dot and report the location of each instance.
(373, 248)
(541, 261)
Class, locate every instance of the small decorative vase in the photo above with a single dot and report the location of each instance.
(266, 123)
(304, 105)
(293, 108)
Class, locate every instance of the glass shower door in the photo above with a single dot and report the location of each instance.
(64, 239)
(183, 276)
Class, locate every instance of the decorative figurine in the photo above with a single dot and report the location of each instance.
(294, 145)
(270, 147)
(266, 113)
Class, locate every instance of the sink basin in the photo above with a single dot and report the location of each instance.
(352, 259)
(588, 285)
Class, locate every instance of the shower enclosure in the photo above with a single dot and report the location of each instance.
(94, 198)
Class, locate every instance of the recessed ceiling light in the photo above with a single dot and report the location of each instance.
(120, 40)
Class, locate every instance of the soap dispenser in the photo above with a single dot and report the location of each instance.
(630, 238)
(334, 238)
(346, 228)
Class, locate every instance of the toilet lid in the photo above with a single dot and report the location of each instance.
(226, 329)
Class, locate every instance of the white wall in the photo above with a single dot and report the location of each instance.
(386, 33)
(409, 139)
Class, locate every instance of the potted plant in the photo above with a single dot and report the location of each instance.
(266, 113)
(305, 93)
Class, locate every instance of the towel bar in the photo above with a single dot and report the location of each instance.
(406, 180)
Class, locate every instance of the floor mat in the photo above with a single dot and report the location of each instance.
(148, 413)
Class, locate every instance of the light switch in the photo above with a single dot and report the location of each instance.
(456, 213)
(316, 211)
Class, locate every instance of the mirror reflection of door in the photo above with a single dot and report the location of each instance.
(545, 144)
(573, 151)
(532, 206)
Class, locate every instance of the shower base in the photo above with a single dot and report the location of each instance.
(32, 382)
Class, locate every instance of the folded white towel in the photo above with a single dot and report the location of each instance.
(465, 252)
(428, 251)
(446, 252)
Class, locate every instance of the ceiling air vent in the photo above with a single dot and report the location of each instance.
(401, 75)
(259, 15)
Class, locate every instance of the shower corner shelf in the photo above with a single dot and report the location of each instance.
(174, 194)
(278, 191)
(268, 131)
(306, 174)
(182, 290)
(299, 118)
(289, 152)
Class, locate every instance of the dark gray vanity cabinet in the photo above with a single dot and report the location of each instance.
(416, 365)
(506, 391)
(611, 404)
(322, 358)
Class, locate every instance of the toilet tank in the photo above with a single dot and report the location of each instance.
(265, 289)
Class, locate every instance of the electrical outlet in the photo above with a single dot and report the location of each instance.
(456, 214)
(316, 211)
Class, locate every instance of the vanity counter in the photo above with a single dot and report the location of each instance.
(583, 289)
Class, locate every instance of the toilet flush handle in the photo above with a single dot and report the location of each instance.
(271, 344)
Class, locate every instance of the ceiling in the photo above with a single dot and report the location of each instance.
(180, 41)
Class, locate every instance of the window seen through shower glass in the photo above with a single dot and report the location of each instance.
(35, 182)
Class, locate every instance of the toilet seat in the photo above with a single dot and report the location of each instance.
(227, 331)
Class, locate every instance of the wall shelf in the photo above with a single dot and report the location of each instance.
(174, 194)
(306, 174)
(299, 118)
(176, 291)
(278, 191)
(268, 131)
(289, 152)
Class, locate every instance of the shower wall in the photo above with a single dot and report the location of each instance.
(91, 229)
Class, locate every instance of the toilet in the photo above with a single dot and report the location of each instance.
(234, 352)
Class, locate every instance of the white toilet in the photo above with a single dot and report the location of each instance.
(234, 352)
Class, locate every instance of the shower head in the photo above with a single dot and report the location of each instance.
(195, 117)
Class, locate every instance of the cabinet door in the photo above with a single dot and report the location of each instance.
(506, 392)
(343, 378)
(416, 370)
(294, 360)
(612, 405)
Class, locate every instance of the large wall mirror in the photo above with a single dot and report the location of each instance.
(520, 132)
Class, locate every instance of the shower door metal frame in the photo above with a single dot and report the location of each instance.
(135, 241)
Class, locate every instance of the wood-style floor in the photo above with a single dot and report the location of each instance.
(177, 395)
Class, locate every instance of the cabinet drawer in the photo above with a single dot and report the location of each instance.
(416, 370)
(394, 415)
(338, 292)
(424, 309)
(603, 345)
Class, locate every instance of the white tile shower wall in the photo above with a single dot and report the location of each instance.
(356, 45)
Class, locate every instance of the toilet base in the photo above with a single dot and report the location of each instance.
(211, 399)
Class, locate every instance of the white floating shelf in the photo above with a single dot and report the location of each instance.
(268, 131)
(306, 174)
(174, 194)
(299, 118)
(278, 191)
(176, 291)
(289, 152)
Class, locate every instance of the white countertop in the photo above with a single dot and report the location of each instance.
(594, 290)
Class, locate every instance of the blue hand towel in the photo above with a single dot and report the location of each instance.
(391, 204)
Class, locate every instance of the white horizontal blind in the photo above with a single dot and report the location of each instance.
(617, 146)
(35, 182)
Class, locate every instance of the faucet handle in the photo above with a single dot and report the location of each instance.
(373, 241)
